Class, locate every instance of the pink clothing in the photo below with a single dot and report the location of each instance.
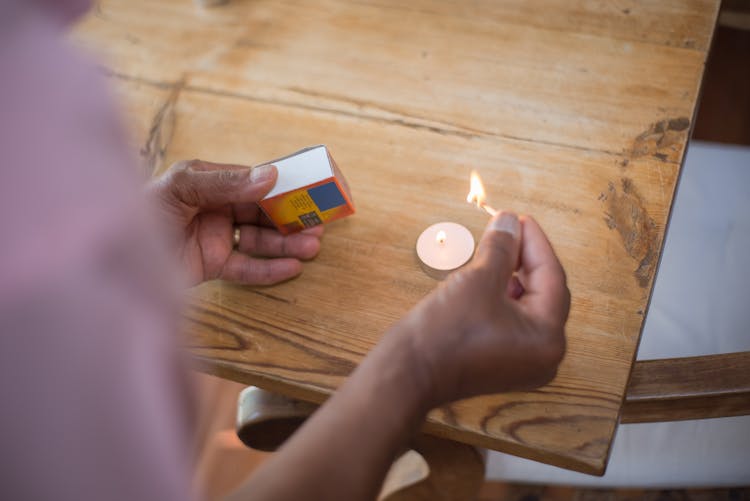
(92, 385)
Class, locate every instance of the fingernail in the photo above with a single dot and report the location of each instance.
(507, 222)
(261, 173)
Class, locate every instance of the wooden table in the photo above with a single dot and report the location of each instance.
(576, 112)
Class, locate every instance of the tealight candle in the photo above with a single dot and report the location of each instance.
(443, 248)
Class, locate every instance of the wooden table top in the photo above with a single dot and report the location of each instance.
(576, 112)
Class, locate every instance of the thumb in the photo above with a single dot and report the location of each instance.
(204, 184)
(499, 247)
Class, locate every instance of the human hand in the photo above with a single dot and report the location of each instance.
(203, 202)
(495, 325)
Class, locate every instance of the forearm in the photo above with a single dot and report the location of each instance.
(347, 446)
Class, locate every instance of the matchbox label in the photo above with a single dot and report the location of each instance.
(309, 206)
(310, 219)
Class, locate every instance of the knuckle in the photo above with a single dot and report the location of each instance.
(258, 274)
(179, 172)
(182, 167)
(283, 251)
(257, 239)
(249, 275)
(228, 176)
(181, 183)
(224, 176)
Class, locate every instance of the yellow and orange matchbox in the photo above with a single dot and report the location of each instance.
(309, 191)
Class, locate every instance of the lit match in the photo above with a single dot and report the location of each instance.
(477, 194)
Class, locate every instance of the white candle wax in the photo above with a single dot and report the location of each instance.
(444, 247)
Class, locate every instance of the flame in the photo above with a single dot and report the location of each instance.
(441, 237)
(476, 192)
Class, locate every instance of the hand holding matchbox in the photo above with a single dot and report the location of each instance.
(310, 190)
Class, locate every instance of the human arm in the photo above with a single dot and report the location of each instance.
(482, 331)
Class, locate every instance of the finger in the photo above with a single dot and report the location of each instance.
(253, 271)
(202, 184)
(546, 292)
(515, 289)
(498, 248)
(268, 242)
(265, 220)
(252, 214)
(248, 213)
(316, 231)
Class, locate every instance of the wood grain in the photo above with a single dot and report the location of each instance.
(688, 388)
(575, 112)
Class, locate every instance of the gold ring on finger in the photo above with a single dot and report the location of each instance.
(236, 237)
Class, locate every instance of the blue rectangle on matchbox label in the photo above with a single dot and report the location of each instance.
(326, 196)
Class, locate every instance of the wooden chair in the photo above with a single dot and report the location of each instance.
(675, 389)
(438, 469)
(433, 469)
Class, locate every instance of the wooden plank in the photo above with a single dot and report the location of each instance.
(688, 388)
(301, 338)
(568, 73)
(582, 123)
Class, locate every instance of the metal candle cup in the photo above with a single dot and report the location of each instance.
(443, 248)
